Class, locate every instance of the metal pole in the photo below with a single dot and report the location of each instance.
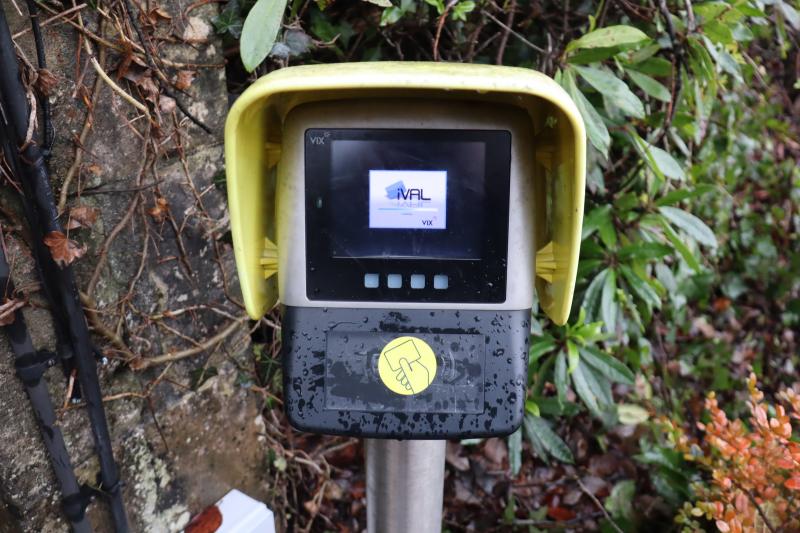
(405, 484)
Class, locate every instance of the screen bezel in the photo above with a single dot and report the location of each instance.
(480, 280)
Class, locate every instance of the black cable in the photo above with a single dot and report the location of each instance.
(30, 366)
(45, 266)
(36, 183)
(48, 133)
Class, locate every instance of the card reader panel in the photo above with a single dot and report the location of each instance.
(476, 374)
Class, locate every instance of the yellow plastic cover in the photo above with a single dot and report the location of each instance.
(253, 135)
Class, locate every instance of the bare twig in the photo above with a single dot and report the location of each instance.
(439, 26)
(512, 32)
(677, 77)
(45, 22)
(79, 148)
(599, 505)
(111, 83)
(103, 253)
(501, 50)
(143, 363)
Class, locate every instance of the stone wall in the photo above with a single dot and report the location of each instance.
(184, 432)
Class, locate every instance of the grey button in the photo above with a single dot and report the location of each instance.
(371, 281)
(440, 281)
(417, 281)
(394, 281)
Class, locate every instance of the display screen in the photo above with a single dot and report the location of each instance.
(407, 214)
(407, 198)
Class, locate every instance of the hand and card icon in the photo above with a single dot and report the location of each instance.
(407, 365)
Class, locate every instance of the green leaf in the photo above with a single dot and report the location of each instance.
(608, 305)
(260, 31)
(381, 3)
(641, 288)
(586, 391)
(614, 89)
(438, 4)
(619, 503)
(632, 415)
(659, 160)
(572, 356)
(594, 390)
(532, 407)
(461, 9)
(679, 195)
(710, 10)
(515, 451)
(592, 55)
(680, 246)
(560, 377)
(594, 218)
(693, 226)
(229, 21)
(653, 66)
(608, 37)
(718, 32)
(541, 346)
(595, 127)
(550, 406)
(646, 251)
(612, 368)
(542, 436)
(600, 219)
(591, 299)
(650, 86)
(391, 15)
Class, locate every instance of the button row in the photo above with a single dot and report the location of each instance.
(395, 281)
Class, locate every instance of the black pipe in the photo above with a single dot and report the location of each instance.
(48, 135)
(46, 267)
(34, 177)
(30, 366)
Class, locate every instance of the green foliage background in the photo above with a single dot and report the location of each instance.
(690, 270)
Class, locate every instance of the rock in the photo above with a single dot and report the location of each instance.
(181, 442)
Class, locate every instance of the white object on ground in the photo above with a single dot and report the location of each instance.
(242, 514)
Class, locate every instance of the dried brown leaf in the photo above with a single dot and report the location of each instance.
(127, 59)
(184, 79)
(149, 88)
(495, 450)
(95, 169)
(46, 81)
(63, 249)
(454, 458)
(82, 216)
(160, 210)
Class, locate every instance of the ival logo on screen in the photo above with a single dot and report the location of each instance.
(397, 191)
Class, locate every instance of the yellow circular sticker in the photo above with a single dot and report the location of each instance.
(407, 365)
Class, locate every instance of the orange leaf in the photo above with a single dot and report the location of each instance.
(560, 513)
(206, 522)
(160, 210)
(63, 249)
(793, 483)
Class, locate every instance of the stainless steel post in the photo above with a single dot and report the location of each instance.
(405, 484)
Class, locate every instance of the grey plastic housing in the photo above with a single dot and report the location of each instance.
(404, 114)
